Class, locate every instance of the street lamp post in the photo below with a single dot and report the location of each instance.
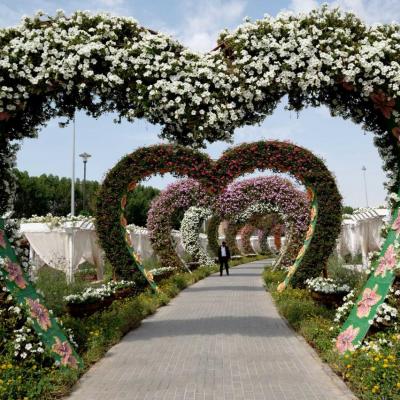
(85, 157)
(63, 125)
(364, 169)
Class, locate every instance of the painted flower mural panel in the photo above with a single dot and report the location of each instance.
(396, 225)
(3, 243)
(15, 273)
(40, 313)
(344, 341)
(369, 299)
(64, 350)
(387, 263)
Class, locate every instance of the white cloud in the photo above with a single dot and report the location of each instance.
(202, 21)
(372, 11)
(111, 3)
(299, 6)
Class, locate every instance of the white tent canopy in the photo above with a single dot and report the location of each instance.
(64, 247)
(361, 233)
(69, 244)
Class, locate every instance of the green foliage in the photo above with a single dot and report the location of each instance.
(53, 285)
(272, 277)
(347, 210)
(297, 306)
(139, 203)
(343, 275)
(45, 194)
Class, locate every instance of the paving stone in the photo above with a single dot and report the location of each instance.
(220, 339)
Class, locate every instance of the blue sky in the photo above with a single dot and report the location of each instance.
(196, 23)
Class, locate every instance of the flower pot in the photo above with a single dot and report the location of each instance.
(3, 296)
(124, 293)
(165, 275)
(329, 299)
(80, 310)
(193, 265)
(89, 278)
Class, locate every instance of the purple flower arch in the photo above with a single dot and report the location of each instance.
(178, 196)
(273, 190)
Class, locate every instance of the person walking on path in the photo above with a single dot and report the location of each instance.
(224, 255)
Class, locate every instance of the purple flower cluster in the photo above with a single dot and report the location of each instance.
(271, 189)
(178, 196)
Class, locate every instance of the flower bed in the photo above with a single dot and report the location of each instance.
(55, 221)
(327, 291)
(162, 273)
(326, 286)
(371, 370)
(94, 299)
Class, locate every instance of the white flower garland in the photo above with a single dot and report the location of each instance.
(91, 294)
(55, 221)
(260, 208)
(112, 64)
(326, 285)
(190, 227)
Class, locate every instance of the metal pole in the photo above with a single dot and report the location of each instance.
(364, 169)
(85, 157)
(73, 171)
(84, 185)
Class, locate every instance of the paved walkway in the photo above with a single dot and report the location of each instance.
(222, 338)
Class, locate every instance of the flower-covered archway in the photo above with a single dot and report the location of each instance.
(247, 199)
(239, 203)
(191, 223)
(182, 161)
(177, 197)
(55, 65)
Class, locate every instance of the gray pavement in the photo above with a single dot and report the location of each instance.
(220, 339)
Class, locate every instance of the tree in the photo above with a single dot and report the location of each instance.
(45, 194)
(347, 210)
(138, 204)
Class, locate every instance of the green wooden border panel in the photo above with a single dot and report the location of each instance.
(26, 296)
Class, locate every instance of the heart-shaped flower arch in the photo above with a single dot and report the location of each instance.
(214, 175)
(179, 196)
(174, 199)
(259, 216)
(268, 223)
(109, 63)
(245, 235)
(272, 190)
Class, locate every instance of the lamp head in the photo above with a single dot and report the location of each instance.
(85, 156)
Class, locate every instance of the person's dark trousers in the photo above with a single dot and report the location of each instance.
(223, 261)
